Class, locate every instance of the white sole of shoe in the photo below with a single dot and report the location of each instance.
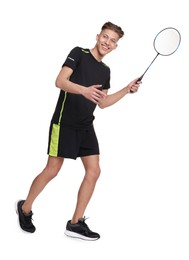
(76, 235)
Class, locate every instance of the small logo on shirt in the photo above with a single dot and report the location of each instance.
(71, 58)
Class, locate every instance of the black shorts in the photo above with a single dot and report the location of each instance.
(68, 142)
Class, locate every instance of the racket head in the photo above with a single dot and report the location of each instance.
(167, 41)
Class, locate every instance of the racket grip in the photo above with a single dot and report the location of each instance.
(139, 79)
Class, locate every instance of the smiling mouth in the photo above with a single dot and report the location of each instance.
(105, 48)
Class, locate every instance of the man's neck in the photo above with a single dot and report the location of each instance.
(96, 54)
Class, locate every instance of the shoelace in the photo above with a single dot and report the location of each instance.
(28, 218)
(82, 222)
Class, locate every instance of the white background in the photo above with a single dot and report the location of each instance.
(140, 205)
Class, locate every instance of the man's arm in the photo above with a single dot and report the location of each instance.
(111, 99)
(92, 93)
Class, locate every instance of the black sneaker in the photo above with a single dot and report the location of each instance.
(25, 221)
(80, 230)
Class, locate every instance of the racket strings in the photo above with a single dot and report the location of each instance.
(167, 41)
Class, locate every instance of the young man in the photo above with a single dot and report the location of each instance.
(83, 81)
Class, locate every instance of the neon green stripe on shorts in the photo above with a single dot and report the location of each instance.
(53, 151)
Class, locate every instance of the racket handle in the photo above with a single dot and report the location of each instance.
(139, 79)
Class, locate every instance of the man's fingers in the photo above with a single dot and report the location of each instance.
(97, 86)
(99, 94)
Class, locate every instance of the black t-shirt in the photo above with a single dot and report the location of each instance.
(73, 109)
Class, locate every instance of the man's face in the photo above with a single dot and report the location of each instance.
(106, 41)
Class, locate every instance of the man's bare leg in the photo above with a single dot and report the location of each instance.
(50, 171)
(92, 173)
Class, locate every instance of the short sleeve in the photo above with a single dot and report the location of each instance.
(73, 58)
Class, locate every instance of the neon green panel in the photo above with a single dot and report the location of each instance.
(54, 140)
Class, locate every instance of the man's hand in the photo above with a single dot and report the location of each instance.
(93, 93)
(133, 86)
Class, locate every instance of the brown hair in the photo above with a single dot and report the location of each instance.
(113, 27)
